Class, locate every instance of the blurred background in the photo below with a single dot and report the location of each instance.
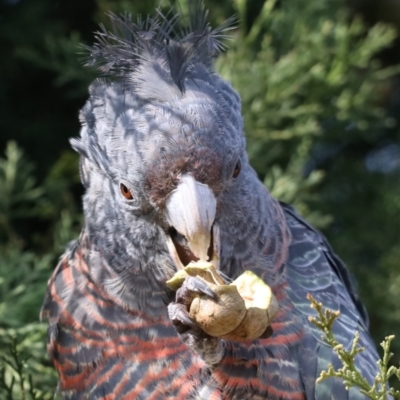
(320, 83)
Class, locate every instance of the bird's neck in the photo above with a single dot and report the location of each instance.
(254, 234)
(134, 282)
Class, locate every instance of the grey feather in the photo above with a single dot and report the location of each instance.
(158, 41)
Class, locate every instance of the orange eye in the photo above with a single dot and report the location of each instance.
(125, 192)
(237, 169)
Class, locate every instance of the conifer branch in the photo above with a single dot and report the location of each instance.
(351, 376)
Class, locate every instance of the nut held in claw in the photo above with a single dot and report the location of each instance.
(243, 309)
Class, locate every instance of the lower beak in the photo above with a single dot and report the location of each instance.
(190, 212)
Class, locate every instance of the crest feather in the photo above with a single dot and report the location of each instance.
(120, 51)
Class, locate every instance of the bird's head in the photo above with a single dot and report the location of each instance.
(162, 145)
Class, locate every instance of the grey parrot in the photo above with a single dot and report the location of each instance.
(167, 182)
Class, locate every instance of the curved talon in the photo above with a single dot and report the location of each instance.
(192, 286)
(179, 317)
(207, 347)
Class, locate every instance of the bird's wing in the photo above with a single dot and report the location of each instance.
(71, 344)
(312, 267)
(101, 349)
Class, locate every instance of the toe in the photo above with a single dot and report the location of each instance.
(179, 317)
(191, 287)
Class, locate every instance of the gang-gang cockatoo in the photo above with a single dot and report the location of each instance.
(167, 182)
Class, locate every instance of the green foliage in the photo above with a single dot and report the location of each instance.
(351, 376)
(19, 192)
(20, 373)
(25, 269)
(307, 75)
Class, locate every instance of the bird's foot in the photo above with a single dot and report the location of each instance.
(207, 347)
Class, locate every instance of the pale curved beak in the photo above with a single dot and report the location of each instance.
(191, 210)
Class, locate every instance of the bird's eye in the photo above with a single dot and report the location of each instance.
(237, 169)
(125, 192)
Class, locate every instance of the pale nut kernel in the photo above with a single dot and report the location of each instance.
(254, 323)
(222, 316)
(261, 306)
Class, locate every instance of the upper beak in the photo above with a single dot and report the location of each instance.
(190, 209)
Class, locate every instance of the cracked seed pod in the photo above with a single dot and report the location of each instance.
(201, 269)
(243, 309)
(261, 307)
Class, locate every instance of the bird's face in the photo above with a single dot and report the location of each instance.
(162, 144)
(199, 159)
(167, 166)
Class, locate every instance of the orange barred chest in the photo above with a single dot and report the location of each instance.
(102, 350)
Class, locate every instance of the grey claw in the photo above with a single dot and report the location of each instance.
(179, 316)
(194, 285)
(199, 286)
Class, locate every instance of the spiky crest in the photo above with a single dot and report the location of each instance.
(163, 39)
